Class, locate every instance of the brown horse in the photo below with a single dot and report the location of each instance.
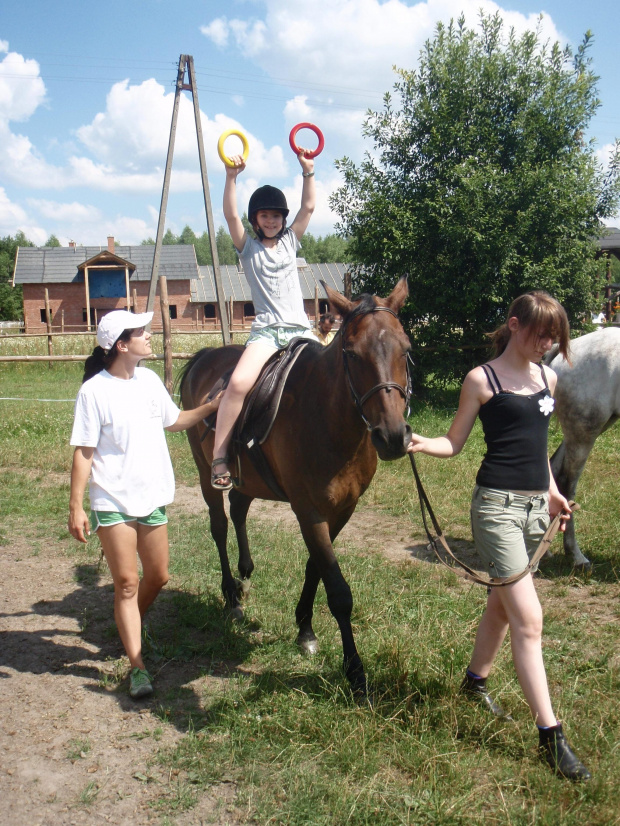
(338, 410)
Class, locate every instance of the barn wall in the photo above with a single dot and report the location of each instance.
(72, 299)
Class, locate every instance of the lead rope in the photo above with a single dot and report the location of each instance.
(467, 572)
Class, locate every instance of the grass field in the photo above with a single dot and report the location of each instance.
(284, 729)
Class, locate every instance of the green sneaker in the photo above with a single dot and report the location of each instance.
(139, 683)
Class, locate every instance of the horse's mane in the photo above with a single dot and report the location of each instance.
(188, 366)
(366, 305)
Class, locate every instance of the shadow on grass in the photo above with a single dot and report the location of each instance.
(192, 638)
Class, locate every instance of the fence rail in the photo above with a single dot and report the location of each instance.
(152, 357)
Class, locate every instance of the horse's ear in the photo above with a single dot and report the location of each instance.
(337, 301)
(398, 296)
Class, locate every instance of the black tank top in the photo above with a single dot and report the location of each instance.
(515, 430)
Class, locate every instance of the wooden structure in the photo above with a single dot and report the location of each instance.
(609, 244)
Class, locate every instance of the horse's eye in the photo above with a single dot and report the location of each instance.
(350, 354)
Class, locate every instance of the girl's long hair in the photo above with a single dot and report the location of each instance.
(100, 360)
(539, 312)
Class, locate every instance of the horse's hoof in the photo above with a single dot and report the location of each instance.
(236, 614)
(308, 646)
(583, 567)
(243, 587)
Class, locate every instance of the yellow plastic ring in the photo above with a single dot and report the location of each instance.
(220, 145)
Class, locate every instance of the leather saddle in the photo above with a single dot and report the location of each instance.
(260, 409)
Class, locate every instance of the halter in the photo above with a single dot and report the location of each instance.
(386, 385)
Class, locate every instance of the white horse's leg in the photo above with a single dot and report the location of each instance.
(567, 464)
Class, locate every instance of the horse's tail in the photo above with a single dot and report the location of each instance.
(551, 354)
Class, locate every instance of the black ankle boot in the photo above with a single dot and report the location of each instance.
(555, 750)
(477, 689)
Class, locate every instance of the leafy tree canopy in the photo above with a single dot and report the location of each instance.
(480, 186)
(52, 241)
(11, 299)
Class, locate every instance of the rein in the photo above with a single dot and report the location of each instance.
(358, 400)
(467, 572)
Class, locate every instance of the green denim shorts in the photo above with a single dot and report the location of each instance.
(279, 337)
(103, 519)
(507, 528)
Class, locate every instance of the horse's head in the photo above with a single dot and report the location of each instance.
(375, 356)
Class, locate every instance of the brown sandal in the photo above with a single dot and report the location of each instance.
(225, 478)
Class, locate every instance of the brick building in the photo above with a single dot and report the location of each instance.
(85, 283)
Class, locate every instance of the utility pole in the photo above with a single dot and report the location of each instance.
(187, 62)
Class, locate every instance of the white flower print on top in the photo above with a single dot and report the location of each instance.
(546, 405)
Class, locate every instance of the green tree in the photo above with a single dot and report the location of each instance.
(330, 249)
(226, 251)
(11, 298)
(480, 187)
(203, 249)
(187, 236)
(170, 237)
(52, 241)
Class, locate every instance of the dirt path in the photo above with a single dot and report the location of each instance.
(73, 749)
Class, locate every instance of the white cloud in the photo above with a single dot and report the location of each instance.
(21, 88)
(349, 47)
(218, 31)
(130, 140)
(14, 218)
(65, 212)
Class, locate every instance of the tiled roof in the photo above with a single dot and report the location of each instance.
(58, 265)
(611, 240)
(235, 285)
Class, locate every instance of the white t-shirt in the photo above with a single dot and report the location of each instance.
(124, 420)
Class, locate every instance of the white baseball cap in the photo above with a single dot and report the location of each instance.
(112, 325)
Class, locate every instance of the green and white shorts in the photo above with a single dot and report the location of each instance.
(103, 519)
(279, 337)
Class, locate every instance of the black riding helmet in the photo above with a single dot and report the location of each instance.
(267, 197)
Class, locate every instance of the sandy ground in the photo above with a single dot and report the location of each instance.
(74, 748)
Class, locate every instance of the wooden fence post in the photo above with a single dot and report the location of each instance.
(165, 318)
(48, 320)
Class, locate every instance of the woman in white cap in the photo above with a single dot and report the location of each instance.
(118, 432)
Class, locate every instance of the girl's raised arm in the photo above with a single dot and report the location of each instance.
(231, 214)
(308, 196)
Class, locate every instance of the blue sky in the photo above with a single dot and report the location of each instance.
(86, 93)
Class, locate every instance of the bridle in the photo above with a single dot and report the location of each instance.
(358, 400)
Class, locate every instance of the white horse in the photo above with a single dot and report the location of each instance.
(587, 402)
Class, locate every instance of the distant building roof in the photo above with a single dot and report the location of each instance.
(234, 282)
(610, 242)
(58, 265)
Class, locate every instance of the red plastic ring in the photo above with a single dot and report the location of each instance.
(316, 131)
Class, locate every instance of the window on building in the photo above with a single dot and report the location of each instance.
(93, 319)
(172, 308)
(323, 307)
(209, 310)
(248, 310)
(44, 317)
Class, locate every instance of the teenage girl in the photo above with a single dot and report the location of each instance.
(514, 496)
(118, 432)
(270, 267)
